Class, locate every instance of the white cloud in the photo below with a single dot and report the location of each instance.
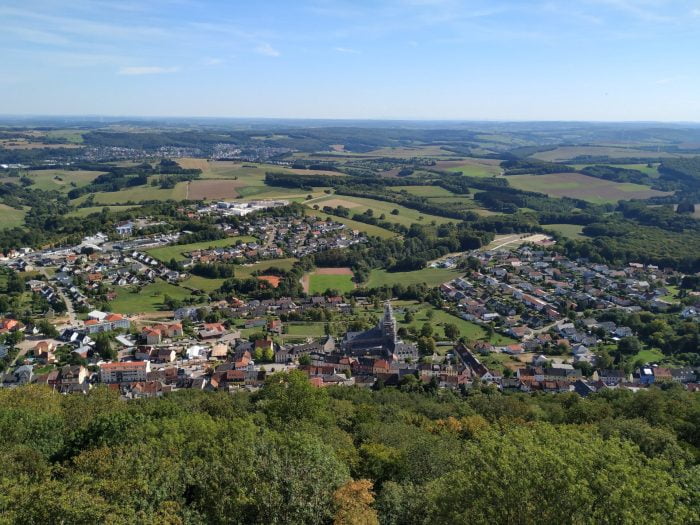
(212, 61)
(147, 70)
(346, 50)
(267, 50)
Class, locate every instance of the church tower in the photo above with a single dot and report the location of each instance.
(388, 326)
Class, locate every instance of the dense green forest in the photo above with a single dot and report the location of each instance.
(292, 453)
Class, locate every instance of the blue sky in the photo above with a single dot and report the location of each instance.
(411, 59)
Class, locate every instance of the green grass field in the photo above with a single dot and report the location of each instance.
(406, 216)
(245, 271)
(138, 194)
(429, 276)
(649, 355)
(476, 170)
(176, 251)
(369, 229)
(11, 217)
(305, 329)
(60, 180)
(149, 299)
(644, 168)
(321, 283)
(572, 231)
(204, 284)
(440, 317)
(579, 186)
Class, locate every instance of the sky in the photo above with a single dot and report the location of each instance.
(603, 60)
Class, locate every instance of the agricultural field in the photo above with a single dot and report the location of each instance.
(566, 153)
(472, 167)
(572, 231)
(176, 251)
(429, 276)
(61, 180)
(471, 331)
(579, 186)
(147, 300)
(213, 189)
(406, 216)
(138, 194)
(323, 279)
(84, 212)
(652, 171)
(11, 217)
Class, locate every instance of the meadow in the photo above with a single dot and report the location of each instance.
(579, 186)
(149, 299)
(61, 180)
(177, 251)
(369, 229)
(406, 216)
(245, 271)
(572, 231)
(11, 217)
(84, 212)
(472, 167)
(137, 194)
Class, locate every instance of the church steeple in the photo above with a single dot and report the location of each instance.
(388, 325)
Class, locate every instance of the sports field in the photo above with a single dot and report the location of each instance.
(429, 276)
(323, 279)
(177, 251)
(579, 186)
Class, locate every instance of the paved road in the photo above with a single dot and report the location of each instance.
(72, 318)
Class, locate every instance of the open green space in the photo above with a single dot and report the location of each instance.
(305, 329)
(195, 282)
(406, 216)
(61, 180)
(245, 271)
(471, 331)
(138, 194)
(429, 276)
(177, 251)
(648, 355)
(572, 231)
(579, 186)
(150, 298)
(11, 217)
(321, 283)
(476, 170)
(369, 229)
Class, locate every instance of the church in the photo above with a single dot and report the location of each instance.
(380, 340)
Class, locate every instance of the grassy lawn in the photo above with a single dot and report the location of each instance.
(149, 299)
(672, 296)
(11, 217)
(305, 329)
(467, 329)
(176, 251)
(321, 283)
(429, 276)
(406, 216)
(245, 271)
(202, 283)
(649, 355)
(476, 170)
(572, 231)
